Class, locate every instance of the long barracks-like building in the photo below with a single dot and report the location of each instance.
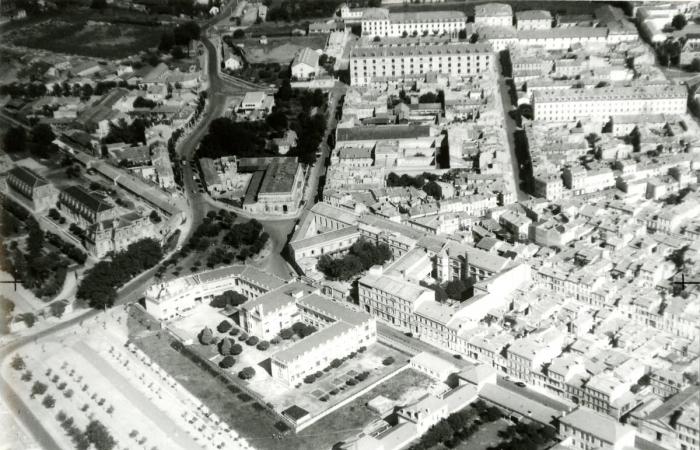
(399, 63)
(601, 103)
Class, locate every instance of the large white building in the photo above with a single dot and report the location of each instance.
(378, 22)
(398, 63)
(171, 300)
(341, 330)
(601, 103)
(493, 15)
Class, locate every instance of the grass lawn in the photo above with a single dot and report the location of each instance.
(485, 437)
(74, 35)
(353, 417)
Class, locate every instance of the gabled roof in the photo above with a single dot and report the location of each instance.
(28, 176)
(82, 196)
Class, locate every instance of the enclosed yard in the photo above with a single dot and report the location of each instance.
(280, 49)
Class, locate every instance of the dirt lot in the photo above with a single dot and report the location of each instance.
(280, 49)
(77, 35)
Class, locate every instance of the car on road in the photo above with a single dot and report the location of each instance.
(520, 384)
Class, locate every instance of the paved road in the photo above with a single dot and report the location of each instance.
(511, 127)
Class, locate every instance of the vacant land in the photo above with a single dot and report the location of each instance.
(485, 437)
(280, 49)
(76, 35)
(404, 388)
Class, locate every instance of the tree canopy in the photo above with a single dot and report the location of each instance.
(99, 287)
(361, 256)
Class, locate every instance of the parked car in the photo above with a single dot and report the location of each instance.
(520, 384)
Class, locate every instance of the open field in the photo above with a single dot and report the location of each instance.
(76, 35)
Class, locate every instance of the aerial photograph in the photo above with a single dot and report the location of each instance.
(349, 225)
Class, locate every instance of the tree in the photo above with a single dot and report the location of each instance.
(206, 336)
(225, 347)
(286, 333)
(227, 298)
(236, 349)
(679, 21)
(155, 218)
(491, 414)
(99, 286)
(58, 308)
(38, 388)
(224, 326)
(263, 345)
(695, 65)
(336, 363)
(15, 140)
(377, 39)
(98, 435)
(49, 401)
(247, 373)
(177, 52)
(167, 41)
(18, 363)
(43, 137)
(462, 34)
(433, 189)
(98, 4)
(252, 341)
(388, 361)
(227, 362)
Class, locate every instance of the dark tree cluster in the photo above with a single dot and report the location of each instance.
(141, 102)
(459, 289)
(40, 269)
(131, 133)
(526, 436)
(289, 10)
(457, 428)
(361, 256)
(179, 37)
(39, 141)
(303, 330)
(226, 137)
(228, 298)
(99, 287)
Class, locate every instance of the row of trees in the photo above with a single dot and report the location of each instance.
(361, 256)
(39, 141)
(99, 287)
(426, 181)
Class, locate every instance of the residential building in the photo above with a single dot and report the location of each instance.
(398, 63)
(601, 103)
(84, 207)
(32, 189)
(172, 300)
(305, 64)
(589, 430)
(378, 22)
(493, 15)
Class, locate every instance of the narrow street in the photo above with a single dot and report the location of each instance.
(510, 128)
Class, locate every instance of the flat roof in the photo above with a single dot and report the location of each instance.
(279, 176)
(312, 341)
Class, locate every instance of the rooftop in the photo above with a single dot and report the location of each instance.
(279, 176)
